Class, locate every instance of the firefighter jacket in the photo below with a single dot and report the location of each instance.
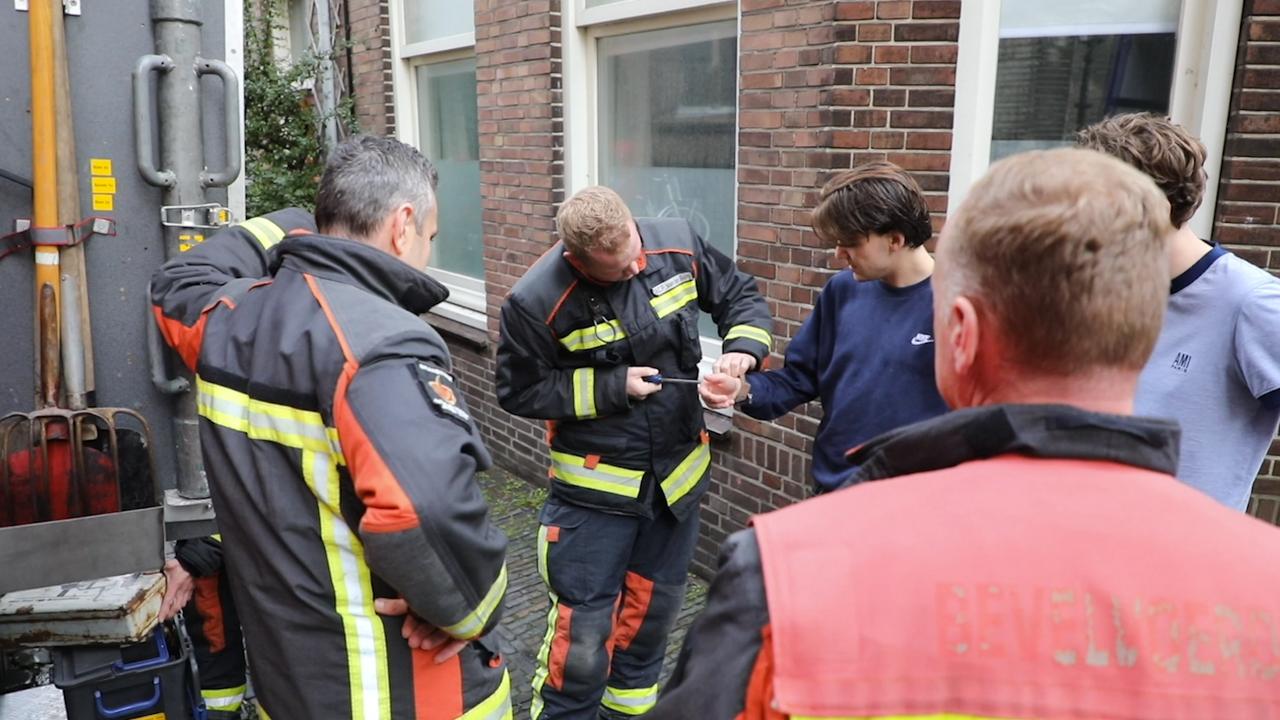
(566, 343)
(1052, 567)
(341, 461)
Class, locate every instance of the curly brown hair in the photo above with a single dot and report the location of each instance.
(1159, 147)
(1066, 249)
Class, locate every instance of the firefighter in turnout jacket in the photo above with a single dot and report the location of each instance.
(583, 334)
(196, 577)
(340, 456)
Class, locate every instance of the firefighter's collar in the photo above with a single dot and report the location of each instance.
(353, 263)
(1045, 431)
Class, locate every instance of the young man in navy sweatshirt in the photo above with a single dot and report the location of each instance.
(867, 350)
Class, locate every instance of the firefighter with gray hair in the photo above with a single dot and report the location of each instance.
(341, 457)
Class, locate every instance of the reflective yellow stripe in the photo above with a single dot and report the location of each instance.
(474, 622)
(630, 702)
(572, 469)
(267, 232)
(584, 392)
(589, 338)
(751, 333)
(495, 707)
(226, 700)
(366, 641)
(261, 420)
(553, 615)
(687, 474)
(675, 298)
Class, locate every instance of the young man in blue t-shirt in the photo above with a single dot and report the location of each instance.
(867, 350)
(1216, 366)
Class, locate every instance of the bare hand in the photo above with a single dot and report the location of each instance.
(637, 388)
(420, 634)
(177, 591)
(719, 390)
(735, 363)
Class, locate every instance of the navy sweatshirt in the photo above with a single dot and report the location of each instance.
(867, 353)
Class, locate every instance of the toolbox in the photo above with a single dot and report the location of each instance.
(151, 680)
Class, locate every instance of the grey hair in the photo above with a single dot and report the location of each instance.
(367, 177)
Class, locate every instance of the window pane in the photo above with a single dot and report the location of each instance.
(435, 19)
(667, 108)
(1098, 62)
(447, 123)
(598, 3)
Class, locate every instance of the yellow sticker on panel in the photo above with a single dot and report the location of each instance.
(104, 185)
(99, 166)
(104, 202)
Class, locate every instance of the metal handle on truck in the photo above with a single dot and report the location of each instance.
(144, 150)
(231, 118)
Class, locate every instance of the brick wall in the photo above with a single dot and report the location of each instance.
(522, 184)
(824, 86)
(370, 70)
(1248, 213)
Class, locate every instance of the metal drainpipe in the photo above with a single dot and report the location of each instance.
(176, 24)
(329, 89)
(184, 177)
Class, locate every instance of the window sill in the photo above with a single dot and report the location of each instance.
(459, 323)
(719, 422)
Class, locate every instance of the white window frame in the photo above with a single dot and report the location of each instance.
(1208, 32)
(583, 28)
(233, 22)
(467, 301)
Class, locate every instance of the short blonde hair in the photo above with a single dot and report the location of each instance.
(595, 218)
(1066, 250)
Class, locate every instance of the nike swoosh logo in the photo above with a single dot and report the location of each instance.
(921, 339)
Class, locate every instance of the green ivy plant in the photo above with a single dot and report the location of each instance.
(284, 143)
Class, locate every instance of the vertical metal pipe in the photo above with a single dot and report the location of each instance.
(328, 87)
(44, 169)
(176, 24)
(77, 347)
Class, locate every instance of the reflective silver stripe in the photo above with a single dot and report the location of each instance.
(223, 699)
(589, 338)
(674, 299)
(687, 474)
(262, 420)
(750, 332)
(572, 469)
(495, 707)
(266, 232)
(474, 622)
(584, 392)
(630, 702)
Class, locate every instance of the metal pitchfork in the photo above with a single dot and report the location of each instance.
(58, 463)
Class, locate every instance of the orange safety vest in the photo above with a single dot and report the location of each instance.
(1018, 587)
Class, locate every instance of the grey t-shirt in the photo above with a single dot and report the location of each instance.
(1216, 370)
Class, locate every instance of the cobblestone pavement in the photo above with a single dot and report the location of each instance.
(515, 507)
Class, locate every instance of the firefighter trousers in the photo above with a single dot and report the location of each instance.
(616, 584)
(216, 638)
